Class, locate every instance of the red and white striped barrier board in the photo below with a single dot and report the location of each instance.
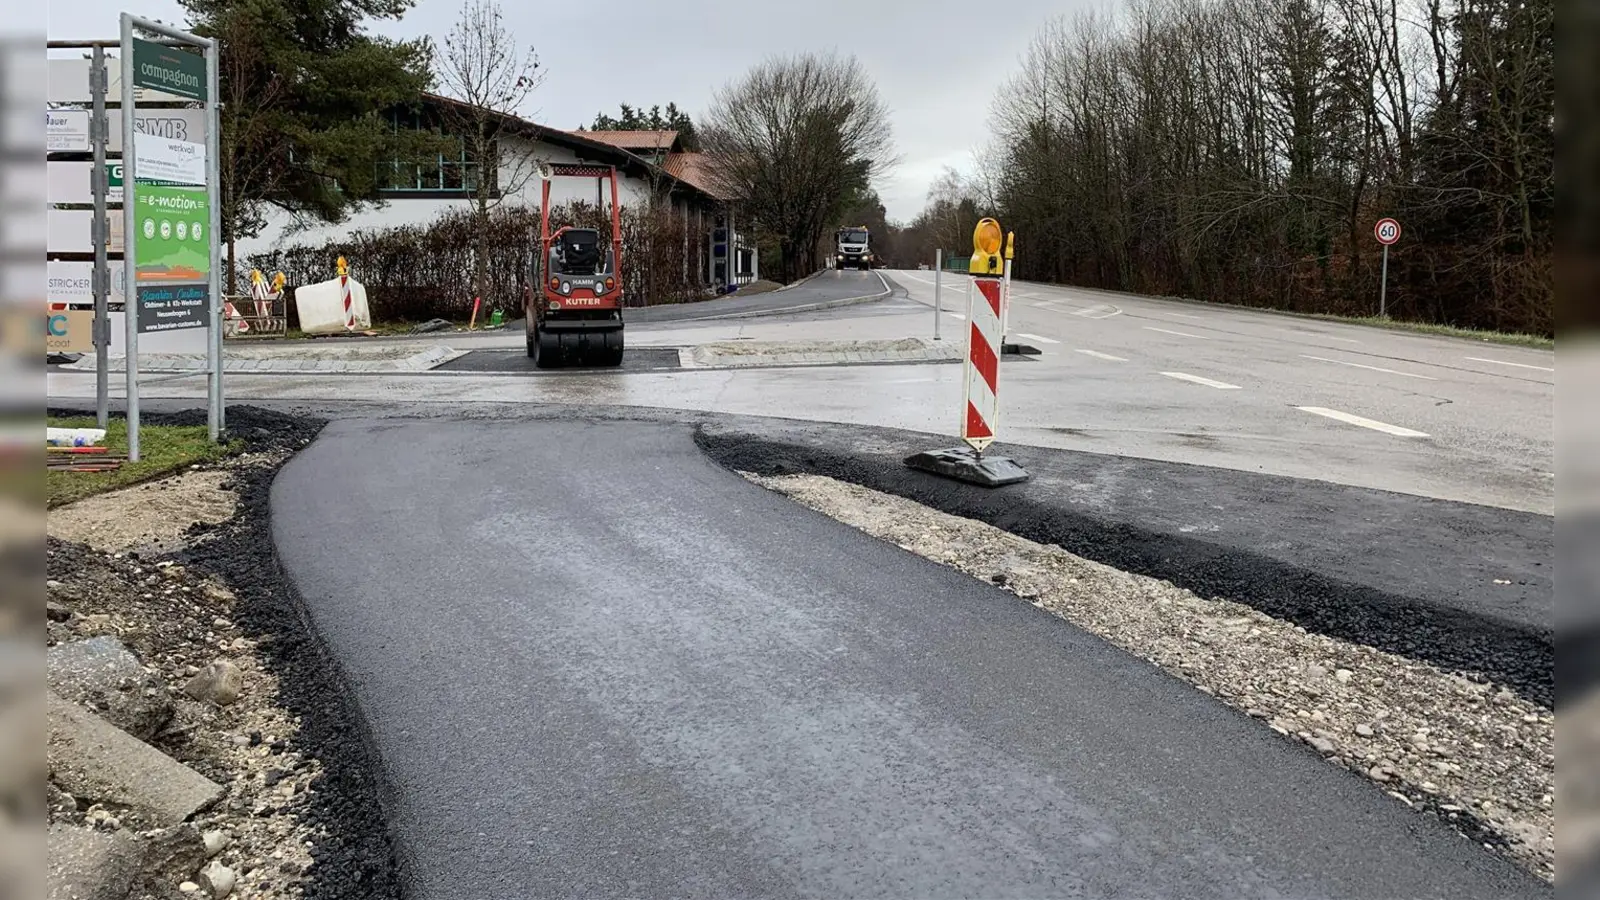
(982, 407)
(344, 291)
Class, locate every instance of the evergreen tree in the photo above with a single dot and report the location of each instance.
(631, 118)
(305, 90)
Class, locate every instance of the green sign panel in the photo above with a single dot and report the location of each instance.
(169, 69)
(172, 256)
(174, 233)
(114, 180)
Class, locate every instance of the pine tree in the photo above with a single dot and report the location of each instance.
(305, 90)
(656, 119)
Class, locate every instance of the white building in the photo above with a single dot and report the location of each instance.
(418, 190)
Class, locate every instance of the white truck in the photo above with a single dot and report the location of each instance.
(852, 248)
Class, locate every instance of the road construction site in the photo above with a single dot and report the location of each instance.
(1272, 614)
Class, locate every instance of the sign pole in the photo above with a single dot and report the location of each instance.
(938, 304)
(1387, 231)
(217, 420)
(130, 239)
(1383, 286)
(1005, 294)
(100, 236)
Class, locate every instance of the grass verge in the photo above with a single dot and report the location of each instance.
(163, 449)
(1512, 338)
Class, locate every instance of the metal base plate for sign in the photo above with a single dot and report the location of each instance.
(1018, 350)
(964, 464)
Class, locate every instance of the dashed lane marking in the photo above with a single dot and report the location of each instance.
(1354, 365)
(1186, 334)
(1196, 379)
(1037, 337)
(1098, 355)
(1501, 362)
(1373, 424)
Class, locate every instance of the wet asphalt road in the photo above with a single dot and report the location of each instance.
(598, 665)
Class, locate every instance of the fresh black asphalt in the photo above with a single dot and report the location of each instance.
(1467, 587)
(638, 359)
(596, 664)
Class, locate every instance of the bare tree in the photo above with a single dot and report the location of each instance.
(491, 76)
(1242, 149)
(796, 139)
(250, 125)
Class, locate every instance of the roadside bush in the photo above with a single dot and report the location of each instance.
(413, 273)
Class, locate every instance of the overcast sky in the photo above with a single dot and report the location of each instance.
(937, 63)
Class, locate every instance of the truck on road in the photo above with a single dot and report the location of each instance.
(852, 248)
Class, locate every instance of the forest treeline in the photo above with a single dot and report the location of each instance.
(1241, 151)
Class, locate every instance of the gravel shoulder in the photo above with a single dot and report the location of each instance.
(1471, 752)
(180, 573)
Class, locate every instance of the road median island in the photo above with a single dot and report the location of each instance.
(246, 767)
(1462, 587)
(752, 354)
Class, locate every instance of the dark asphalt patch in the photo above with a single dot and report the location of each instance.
(630, 674)
(646, 359)
(1465, 587)
(355, 861)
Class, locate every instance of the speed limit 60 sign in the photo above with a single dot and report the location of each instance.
(1387, 231)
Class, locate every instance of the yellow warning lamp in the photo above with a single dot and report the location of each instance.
(344, 268)
(986, 239)
(1011, 237)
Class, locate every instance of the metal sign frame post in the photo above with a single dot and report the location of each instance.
(100, 281)
(1387, 231)
(938, 304)
(155, 74)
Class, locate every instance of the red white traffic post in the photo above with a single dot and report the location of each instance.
(980, 402)
(1387, 231)
(982, 381)
(344, 294)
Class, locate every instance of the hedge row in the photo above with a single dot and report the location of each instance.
(413, 273)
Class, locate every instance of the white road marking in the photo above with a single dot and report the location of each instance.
(1373, 368)
(1185, 315)
(1178, 333)
(1501, 362)
(1219, 385)
(1037, 337)
(1098, 355)
(956, 315)
(1044, 304)
(1349, 419)
(1098, 311)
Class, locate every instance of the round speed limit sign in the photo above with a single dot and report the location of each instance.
(1387, 231)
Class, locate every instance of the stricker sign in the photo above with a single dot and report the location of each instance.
(1387, 231)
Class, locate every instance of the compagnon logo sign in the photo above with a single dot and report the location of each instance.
(169, 69)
